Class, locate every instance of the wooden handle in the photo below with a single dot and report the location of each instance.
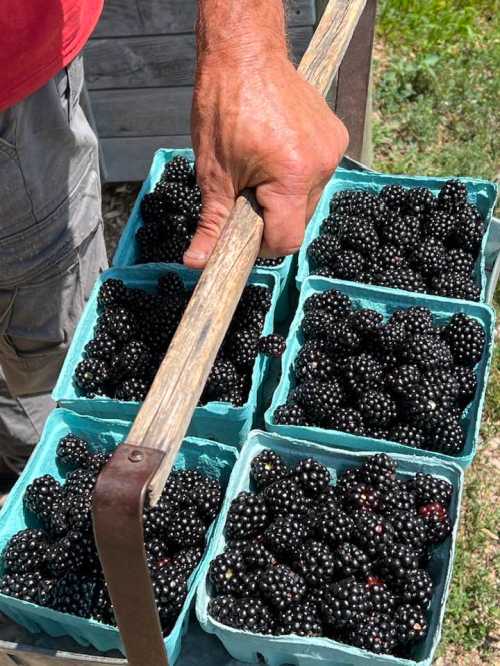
(166, 413)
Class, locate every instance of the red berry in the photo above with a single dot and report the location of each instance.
(433, 508)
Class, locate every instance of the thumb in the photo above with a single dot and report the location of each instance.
(214, 214)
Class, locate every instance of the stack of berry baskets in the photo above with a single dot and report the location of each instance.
(331, 555)
(125, 331)
(425, 235)
(50, 575)
(165, 216)
(373, 369)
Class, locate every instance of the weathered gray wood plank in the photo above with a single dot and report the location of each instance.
(155, 60)
(130, 158)
(144, 112)
(143, 17)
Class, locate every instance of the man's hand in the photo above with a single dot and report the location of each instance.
(256, 123)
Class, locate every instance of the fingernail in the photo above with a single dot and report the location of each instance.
(195, 255)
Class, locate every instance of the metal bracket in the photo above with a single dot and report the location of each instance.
(118, 503)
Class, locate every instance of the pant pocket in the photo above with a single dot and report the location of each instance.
(42, 319)
(15, 204)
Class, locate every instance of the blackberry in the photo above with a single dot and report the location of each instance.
(170, 591)
(398, 563)
(132, 390)
(377, 433)
(377, 408)
(40, 496)
(134, 360)
(399, 497)
(379, 471)
(372, 533)
(428, 352)
(440, 225)
(290, 414)
(72, 451)
(206, 496)
(346, 480)
(121, 325)
(272, 345)
(248, 516)
(91, 374)
(381, 599)
(102, 347)
(317, 324)
(360, 235)
(361, 497)
(443, 381)
(332, 301)
(312, 476)
(421, 404)
(403, 232)
(349, 560)
(328, 500)
(267, 467)
(266, 262)
(429, 488)
(178, 170)
(468, 235)
(409, 435)
(96, 461)
(222, 378)
(245, 614)
(459, 261)
(25, 552)
(185, 530)
(455, 285)
(285, 496)
(318, 399)
(401, 278)
(388, 257)
(417, 588)
(334, 527)
(420, 201)
(186, 561)
(366, 322)
(376, 633)
(409, 529)
(73, 594)
(452, 194)
(281, 587)
(411, 624)
(467, 385)
(403, 378)
(67, 555)
(429, 258)
(226, 571)
(437, 522)
(415, 320)
(390, 338)
(347, 419)
(322, 250)
(347, 265)
(394, 196)
(23, 586)
(300, 619)
(345, 604)
(285, 536)
(111, 292)
(363, 373)
(448, 436)
(343, 338)
(466, 339)
(243, 348)
(255, 297)
(312, 362)
(101, 607)
(315, 563)
(182, 199)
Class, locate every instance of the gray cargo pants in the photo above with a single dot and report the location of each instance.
(51, 249)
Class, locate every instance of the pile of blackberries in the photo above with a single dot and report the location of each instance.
(170, 215)
(134, 330)
(54, 562)
(403, 238)
(407, 379)
(348, 561)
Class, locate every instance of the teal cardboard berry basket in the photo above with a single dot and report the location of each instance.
(480, 192)
(385, 301)
(211, 458)
(127, 251)
(278, 651)
(220, 421)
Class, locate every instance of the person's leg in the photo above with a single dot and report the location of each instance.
(51, 249)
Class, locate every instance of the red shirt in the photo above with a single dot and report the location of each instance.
(37, 39)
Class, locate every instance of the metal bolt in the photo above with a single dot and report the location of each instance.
(136, 456)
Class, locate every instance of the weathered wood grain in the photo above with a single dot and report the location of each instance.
(155, 60)
(165, 415)
(145, 112)
(152, 17)
(129, 159)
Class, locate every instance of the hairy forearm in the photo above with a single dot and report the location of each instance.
(241, 27)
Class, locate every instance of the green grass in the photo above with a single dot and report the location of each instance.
(436, 99)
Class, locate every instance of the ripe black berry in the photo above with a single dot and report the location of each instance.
(248, 516)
